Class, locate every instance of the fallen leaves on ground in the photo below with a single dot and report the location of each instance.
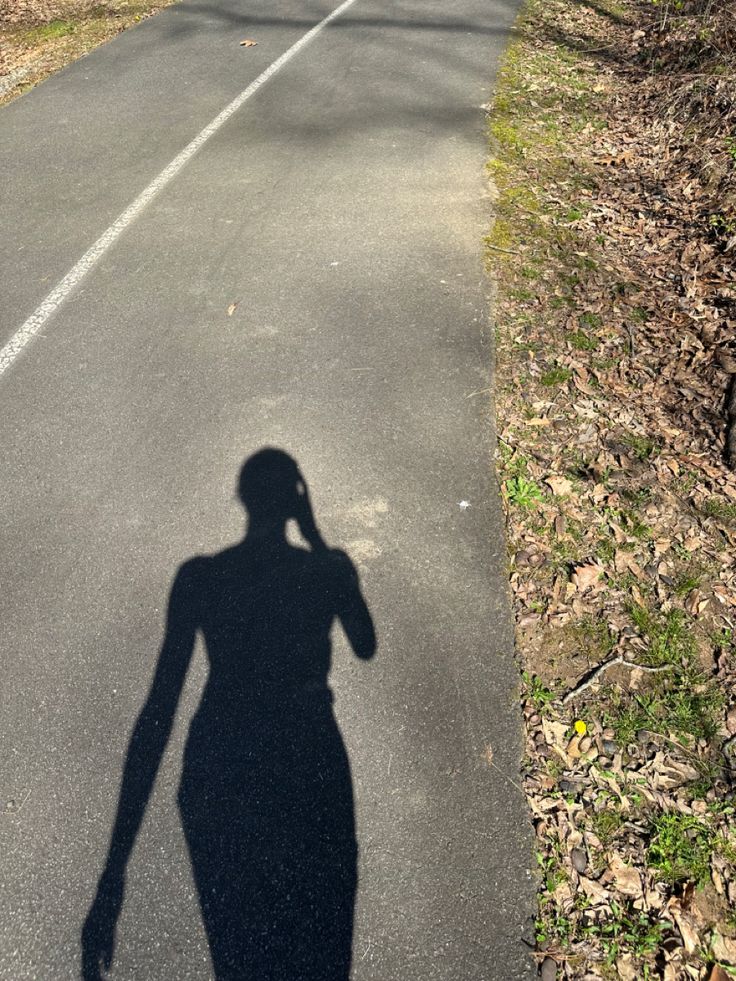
(615, 175)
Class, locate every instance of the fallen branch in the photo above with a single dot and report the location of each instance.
(590, 678)
(497, 248)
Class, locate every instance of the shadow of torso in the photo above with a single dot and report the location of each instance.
(266, 797)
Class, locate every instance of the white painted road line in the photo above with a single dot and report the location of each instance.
(61, 291)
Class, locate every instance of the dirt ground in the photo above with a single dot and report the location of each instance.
(39, 37)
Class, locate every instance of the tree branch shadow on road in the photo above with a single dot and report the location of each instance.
(265, 797)
(440, 103)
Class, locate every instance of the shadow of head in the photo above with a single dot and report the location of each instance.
(270, 486)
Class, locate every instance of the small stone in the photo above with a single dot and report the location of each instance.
(548, 971)
(579, 860)
(609, 747)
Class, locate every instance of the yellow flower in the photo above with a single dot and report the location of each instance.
(580, 727)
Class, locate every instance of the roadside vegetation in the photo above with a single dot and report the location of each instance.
(38, 37)
(613, 247)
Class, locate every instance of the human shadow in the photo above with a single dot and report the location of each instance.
(265, 797)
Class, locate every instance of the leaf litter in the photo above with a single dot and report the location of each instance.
(613, 249)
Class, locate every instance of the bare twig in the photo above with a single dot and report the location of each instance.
(497, 248)
(632, 348)
(589, 679)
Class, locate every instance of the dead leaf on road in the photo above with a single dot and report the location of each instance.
(248, 43)
(231, 309)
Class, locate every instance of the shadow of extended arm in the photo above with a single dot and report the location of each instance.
(145, 751)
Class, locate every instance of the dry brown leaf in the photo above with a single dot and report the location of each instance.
(686, 925)
(231, 309)
(595, 892)
(586, 576)
(627, 968)
(555, 735)
(724, 949)
(718, 974)
(627, 879)
(248, 43)
(559, 485)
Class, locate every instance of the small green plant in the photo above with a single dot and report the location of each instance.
(555, 376)
(669, 636)
(685, 582)
(639, 315)
(552, 871)
(680, 848)
(630, 522)
(605, 549)
(538, 692)
(731, 147)
(606, 823)
(716, 507)
(48, 32)
(643, 447)
(722, 225)
(723, 639)
(678, 700)
(687, 706)
(521, 492)
(629, 930)
(583, 342)
(590, 320)
(637, 496)
(554, 925)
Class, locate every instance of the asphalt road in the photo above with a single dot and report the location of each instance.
(312, 281)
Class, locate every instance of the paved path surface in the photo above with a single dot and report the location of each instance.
(341, 208)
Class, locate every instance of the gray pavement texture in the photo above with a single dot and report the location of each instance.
(342, 209)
